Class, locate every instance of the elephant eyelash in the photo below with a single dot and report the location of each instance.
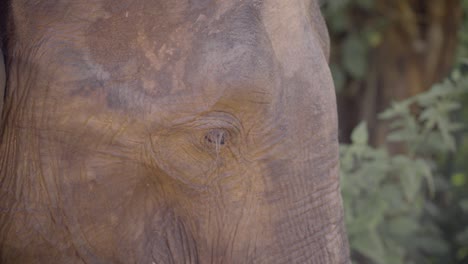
(217, 137)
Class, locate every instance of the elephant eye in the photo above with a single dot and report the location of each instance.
(216, 137)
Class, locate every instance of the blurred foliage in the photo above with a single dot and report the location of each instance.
(410, 207)
(453, 195)
(389, 199)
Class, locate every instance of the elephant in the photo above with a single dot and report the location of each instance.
(182, 131)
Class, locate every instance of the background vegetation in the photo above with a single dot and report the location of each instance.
(401, 73)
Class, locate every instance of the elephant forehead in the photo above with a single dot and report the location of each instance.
(157, 58)
(163, 37)
(185, 57)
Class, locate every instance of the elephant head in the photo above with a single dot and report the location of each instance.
(183, 131)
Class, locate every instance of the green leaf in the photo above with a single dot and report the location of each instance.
(360, 135)
(409, 177)
(425, 170)
(370, 245)
(459, 179)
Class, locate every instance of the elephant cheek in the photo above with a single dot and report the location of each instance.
(306, 213)
(302, 177)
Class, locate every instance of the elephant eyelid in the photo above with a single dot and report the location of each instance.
(215, 130)
(214, 121)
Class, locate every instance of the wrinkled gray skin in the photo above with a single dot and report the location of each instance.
(182, 131)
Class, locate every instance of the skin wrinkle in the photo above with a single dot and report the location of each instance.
(163, 132)
(277, 29)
